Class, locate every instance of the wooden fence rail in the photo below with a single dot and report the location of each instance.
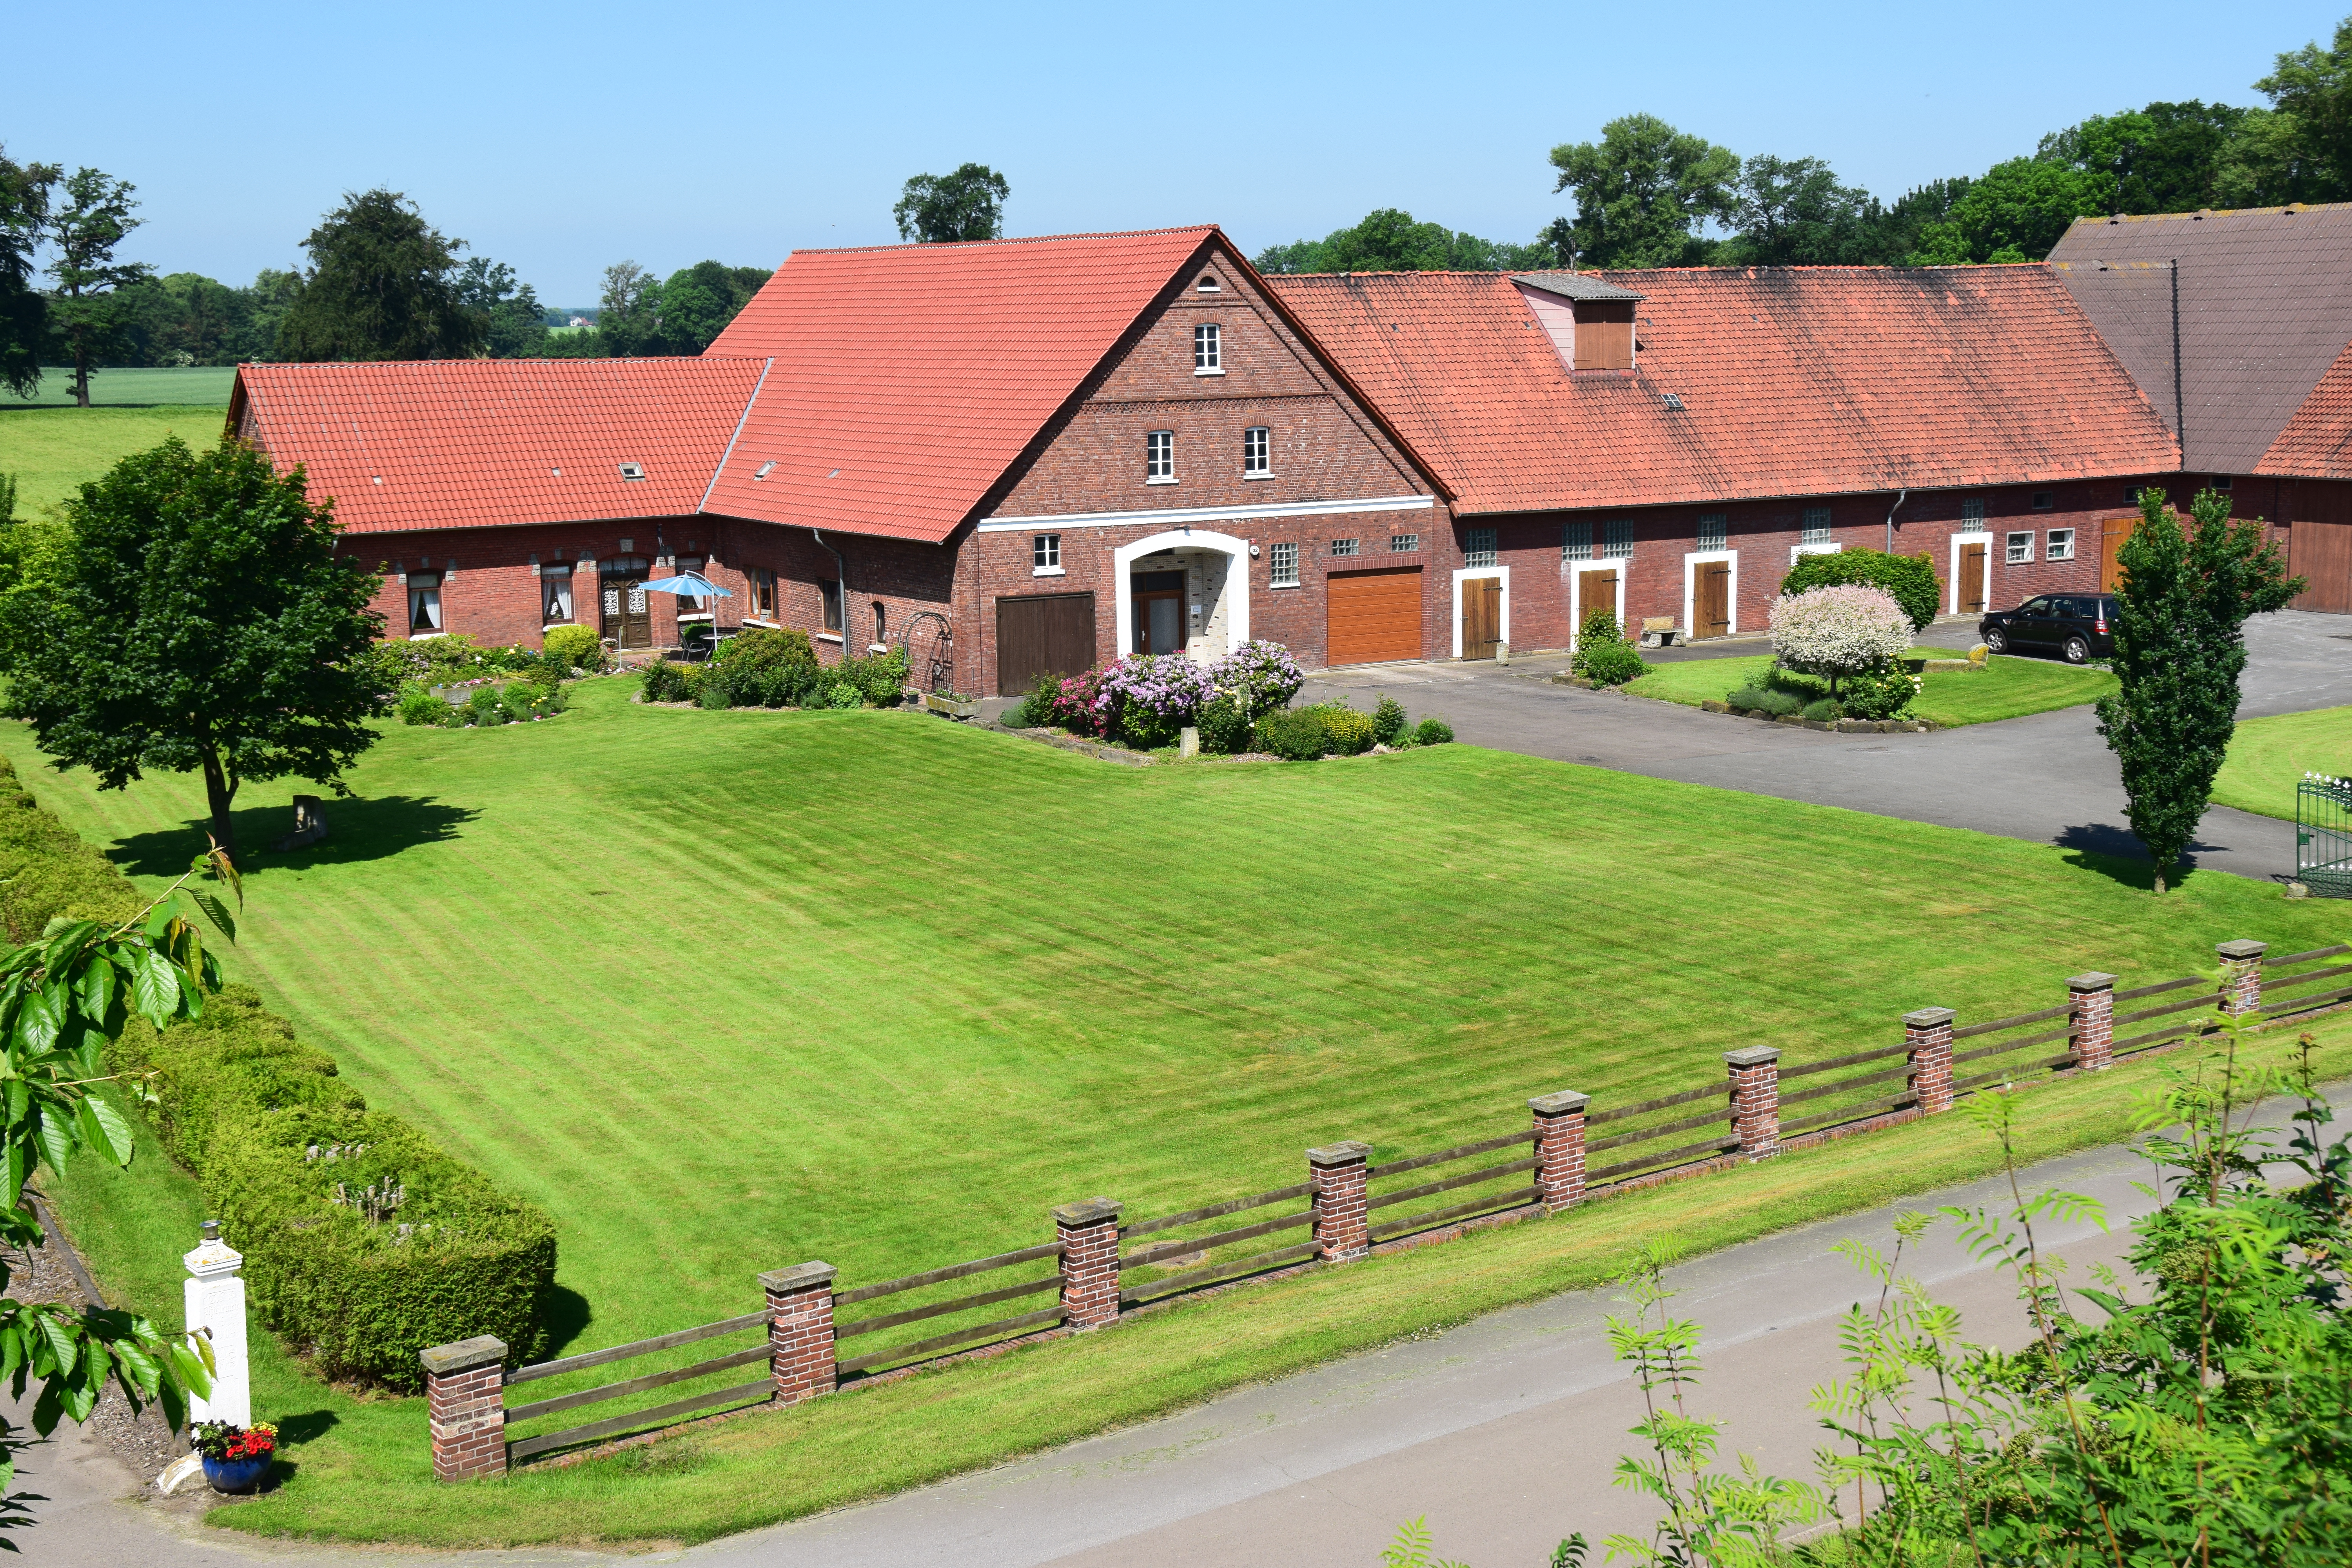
(1102, 1267)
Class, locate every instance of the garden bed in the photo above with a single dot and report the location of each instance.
(2007, 687)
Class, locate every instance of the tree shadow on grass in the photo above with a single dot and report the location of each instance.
(2117, 854)
(308, 1427)
(566, 1313)
(359, 829)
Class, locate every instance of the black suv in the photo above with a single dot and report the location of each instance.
(2078, 627)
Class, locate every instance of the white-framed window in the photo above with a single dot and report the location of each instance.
(2021, 548)
(1576, 541)
(1343, 547)
(1817, 526)
(1972, 514)
(2045, 500)
(424, 604)
(1208, 351)
(1480, 549)
(1281, 565)
(1713, 531)
(1045, 552)
(1257, 452)
(1207, 284)
(1403, 543)
(1617, 539)
(2058, 545)
(555, 592)
(1159, 458)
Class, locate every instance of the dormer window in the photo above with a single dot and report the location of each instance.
(1208, 350)
(1589, 321)
(632, 470)
(1207, 284)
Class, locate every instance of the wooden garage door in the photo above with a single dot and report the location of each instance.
(2320, 552)
(1373, 616)
(1041, 634)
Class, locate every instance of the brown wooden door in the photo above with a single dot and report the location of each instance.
(628, 617)
(1711, 600)
(1370, 616)
(1594, 590)
(1970, 592)
(1047, 634)
(2112, 534)
(2320, 552)
(1482, 617)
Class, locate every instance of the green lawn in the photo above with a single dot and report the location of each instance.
(2267, 755)
(2007, 687)
(136, 386)
(728, 991)
(52, 451)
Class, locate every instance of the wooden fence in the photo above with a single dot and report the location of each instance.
(1102, 1267)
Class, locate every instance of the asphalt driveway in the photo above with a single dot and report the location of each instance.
(2048, 778)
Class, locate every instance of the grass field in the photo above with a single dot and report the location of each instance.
(2006, 689)
(2267, 755)
(53, 451)
(136, 386)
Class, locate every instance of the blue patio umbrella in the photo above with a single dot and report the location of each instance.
(692, 585)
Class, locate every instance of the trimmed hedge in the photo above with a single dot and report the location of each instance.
(1909, 579)
(242, 1103)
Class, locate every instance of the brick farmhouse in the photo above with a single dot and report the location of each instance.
(1028, 455)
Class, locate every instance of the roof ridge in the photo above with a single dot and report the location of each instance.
(2280, 207)
(1006, 239)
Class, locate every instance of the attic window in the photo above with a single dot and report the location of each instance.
(632, 470)
(765, 470)
(1675, 401)
(1207, 284)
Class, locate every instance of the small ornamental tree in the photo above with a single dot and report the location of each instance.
(2180, 646)
(1839, 631)
(197, 616)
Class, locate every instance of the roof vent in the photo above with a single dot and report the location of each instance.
(555, 473)
(765, 470)
(632, 470)
(1675, 401)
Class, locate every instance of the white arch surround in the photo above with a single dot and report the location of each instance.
(1237, 623)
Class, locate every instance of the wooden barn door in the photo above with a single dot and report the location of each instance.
(1482, 617)
(1594, 590)
(2320, 552)
(1711, 600)
(1969, 593)
(1049, 633)
(2112, 534)
(1370, 617)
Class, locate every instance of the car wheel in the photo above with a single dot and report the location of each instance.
(1996, 641)
(2077, 651)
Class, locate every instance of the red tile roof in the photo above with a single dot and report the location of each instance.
(468, 442)
(1805, 381)
(909, 378)
(2316, 444)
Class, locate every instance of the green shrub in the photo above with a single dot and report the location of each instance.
(1911, 579)
(1347, 732)
(1433, 732)
(1224, 725)
(665, 682)
(418, 706)
(766, 649)
(484, 705)
(1603, 655)
(845, 695)
(1881, 693)
(46, 870)
(1015, 715)
(1742, 699)
(538, 702)
(1295, 734)
(579, 648)
(713, 691)
(1821, 709)
(879, 679)
(1388, 722)
(1777, 702)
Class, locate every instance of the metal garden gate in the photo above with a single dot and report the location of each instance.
(2323, 835)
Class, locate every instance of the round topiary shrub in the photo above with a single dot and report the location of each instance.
(1909, 579)
(1433, 732)
(578, 647)
(1294, 734)
(1838, 631)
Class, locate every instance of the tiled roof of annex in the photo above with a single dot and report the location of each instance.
(2316, 444)
(1792, 382)
(910, 378)
(407, 443)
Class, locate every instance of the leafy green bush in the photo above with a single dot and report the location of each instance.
(766, 649)
(1347, 732)
(878, 679)
(46, 870)
(1224, 725)
(1295, 734)
(1388, 722)
(1820, 711)
(845, 695)
(1603, 655)
(1881, 693)
(578, 647)
(1777, 702)
(713, 691)
(1433, 732)
(1910, 579)
(663, 682)
(1742, 699)
(1015, 715)
(418, 706)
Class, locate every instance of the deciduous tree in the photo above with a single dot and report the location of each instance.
(382, 284)
(513, 323)
(2180, 646)
(1792, 211)
(2311, 90)
(939, 208)
(1643, 191)
(196, 617)
(87, 310)
(24, 312)
(2015, 212)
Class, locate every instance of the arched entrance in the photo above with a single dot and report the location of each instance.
(1183, 592)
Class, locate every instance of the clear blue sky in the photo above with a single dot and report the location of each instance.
(562, 140)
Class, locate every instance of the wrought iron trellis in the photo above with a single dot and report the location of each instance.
(2323, 835)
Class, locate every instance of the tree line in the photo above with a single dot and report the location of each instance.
(1647, 193)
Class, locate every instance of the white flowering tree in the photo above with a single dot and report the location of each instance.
(1843, 630)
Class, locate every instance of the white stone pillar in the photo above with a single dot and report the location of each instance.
(214, 1295)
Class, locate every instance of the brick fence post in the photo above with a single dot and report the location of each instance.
(1559, 1148)
(1089, 1236)
(800, 1331)
(2093, 997)
(465, 1398)
(1927, 1037)
(2241, 976)
(1340, 1177)
(1755, 1099)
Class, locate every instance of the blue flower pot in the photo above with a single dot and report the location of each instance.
(237, 1477)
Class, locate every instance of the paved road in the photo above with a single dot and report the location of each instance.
(2048, 778)
(1502, 1432)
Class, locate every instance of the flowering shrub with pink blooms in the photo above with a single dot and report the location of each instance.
(1073, 704)
(1842, 630)
(1262, 676)
(1145, 700)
